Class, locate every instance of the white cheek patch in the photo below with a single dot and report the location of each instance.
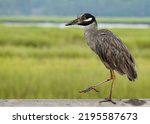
(88, 20)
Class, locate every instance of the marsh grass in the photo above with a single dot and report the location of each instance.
(57, 63)
(59, 19)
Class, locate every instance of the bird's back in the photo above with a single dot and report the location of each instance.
(113, 53)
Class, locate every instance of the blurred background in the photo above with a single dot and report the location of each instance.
(41, 58)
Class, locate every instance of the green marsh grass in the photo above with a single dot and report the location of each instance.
(57, 63)
(62, 19)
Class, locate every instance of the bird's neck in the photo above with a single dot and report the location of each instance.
(92, 26)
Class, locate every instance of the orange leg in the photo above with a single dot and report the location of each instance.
(112, 77)
(109, 99)
(95, 85)
(112, 84)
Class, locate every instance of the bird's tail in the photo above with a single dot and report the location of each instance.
(132, 74)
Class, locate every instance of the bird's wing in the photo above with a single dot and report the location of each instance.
(114, 54)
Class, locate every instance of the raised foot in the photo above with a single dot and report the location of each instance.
(89, 89)
(108, 100)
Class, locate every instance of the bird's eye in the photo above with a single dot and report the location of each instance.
(83, 18)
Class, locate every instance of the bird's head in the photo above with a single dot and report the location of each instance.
(84, 20)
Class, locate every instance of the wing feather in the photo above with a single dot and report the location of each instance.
(114, 54)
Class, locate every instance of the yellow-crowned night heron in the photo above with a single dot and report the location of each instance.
(110, 49)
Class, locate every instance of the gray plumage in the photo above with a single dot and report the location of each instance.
(110, 49)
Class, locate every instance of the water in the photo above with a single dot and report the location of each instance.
(62, 25)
